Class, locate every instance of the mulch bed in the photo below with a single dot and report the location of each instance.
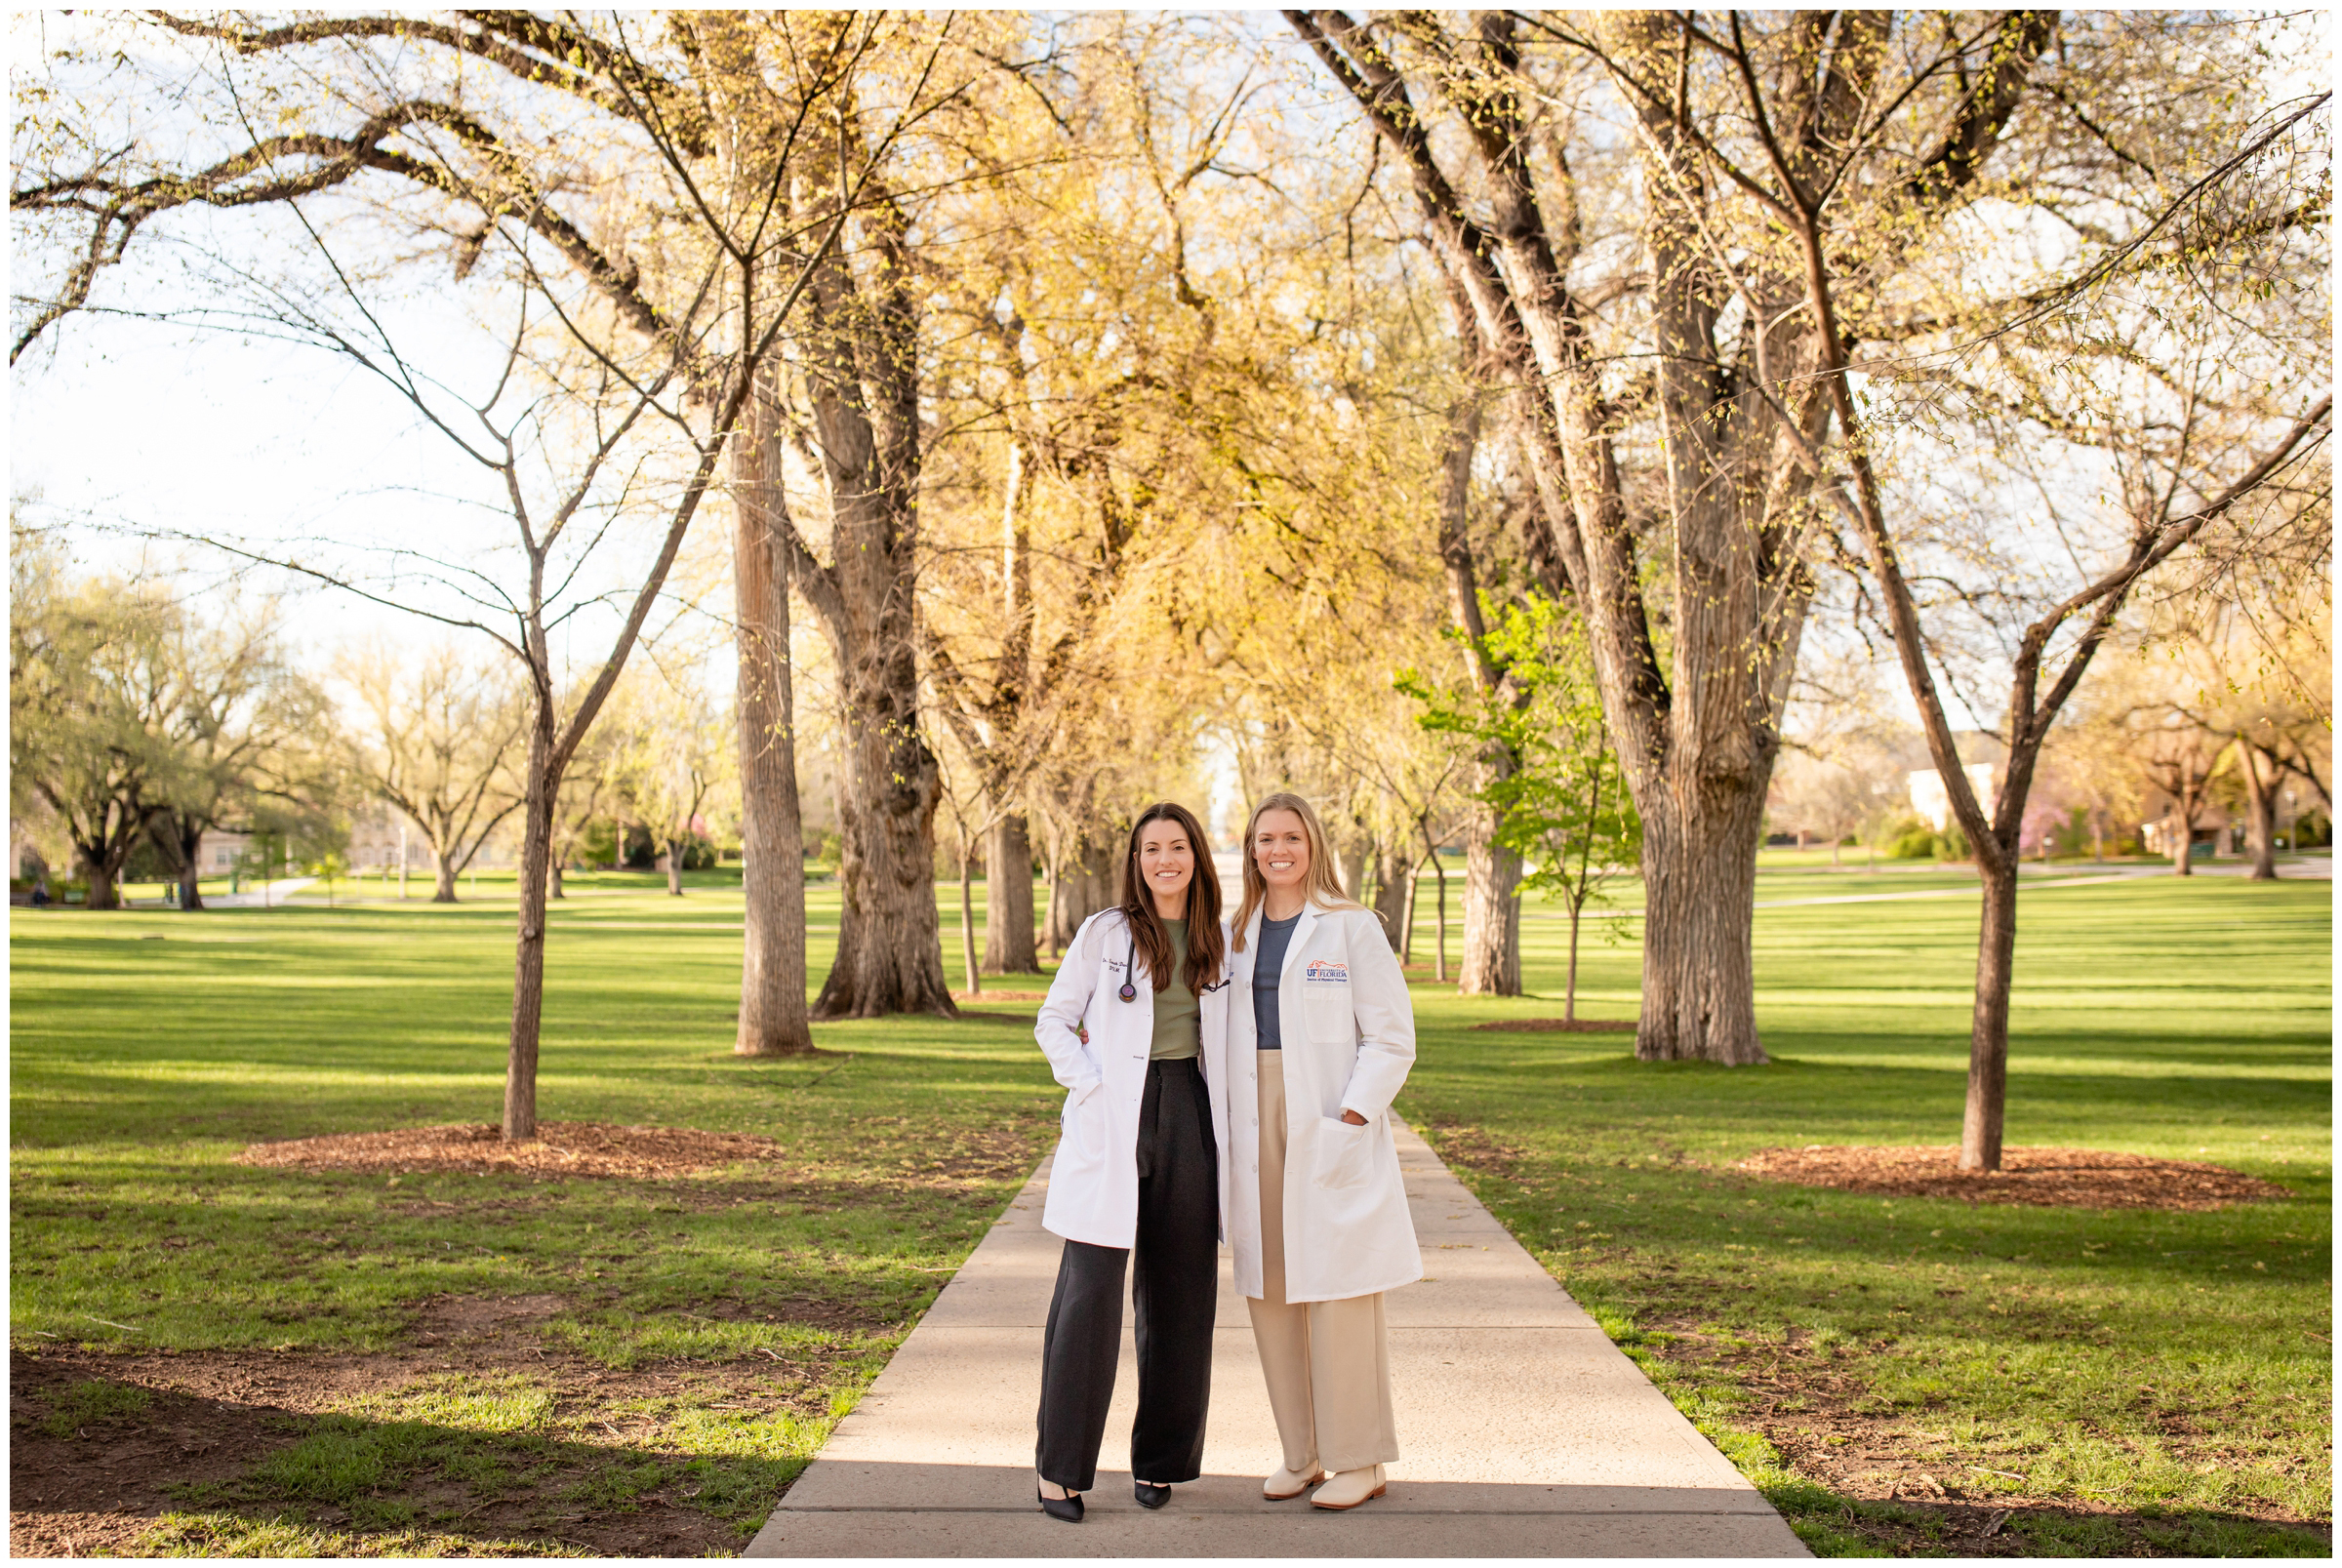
(2050, 1177)
(1559, 1025)
(999, 996)
(560, 1148)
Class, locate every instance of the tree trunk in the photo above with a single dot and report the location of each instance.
(1085, 872)
(528, 961)
(1440, 918)
(1569, 1006)
(1392, 895)
(889, 936)
(1699, 897)
(772, 831)
(443, 869)
(1491, 912)
(1988, 1033)
(1050, 875)
(104, 847)
(100, 877)
(190, 864)
(1008, 939)
(967, 923)
(1008, 946)
(2260, 814)
(674, 868)
(553, 877)
(862, 365)
(1406, 919)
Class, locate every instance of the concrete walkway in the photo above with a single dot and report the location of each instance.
(1527, 1434)
(270, 896)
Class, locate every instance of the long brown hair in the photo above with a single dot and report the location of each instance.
(1148, 935)
(1324, 886)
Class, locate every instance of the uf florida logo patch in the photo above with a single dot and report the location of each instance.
(1326, 972)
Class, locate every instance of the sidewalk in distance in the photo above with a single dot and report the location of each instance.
(1525, 1432)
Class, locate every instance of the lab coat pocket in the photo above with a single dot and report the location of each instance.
(1326, 1011)
(1085, 1129)
(1343, 1151)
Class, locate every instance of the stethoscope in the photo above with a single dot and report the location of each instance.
(1130, 990)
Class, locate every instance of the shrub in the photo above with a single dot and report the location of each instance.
(1906, 838)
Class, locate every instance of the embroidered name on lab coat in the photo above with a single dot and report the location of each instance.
(1326, 972)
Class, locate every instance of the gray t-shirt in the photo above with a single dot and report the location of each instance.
(1268, 969)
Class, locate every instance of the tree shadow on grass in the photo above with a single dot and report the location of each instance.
(131, 1460)
(1844, 1527)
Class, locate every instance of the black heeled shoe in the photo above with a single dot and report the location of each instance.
(1150, 1495)
(1067, 1507)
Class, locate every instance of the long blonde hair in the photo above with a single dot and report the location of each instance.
(1323, 887)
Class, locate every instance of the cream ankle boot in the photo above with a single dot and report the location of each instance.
(1288, 1484)
(1349, 1489)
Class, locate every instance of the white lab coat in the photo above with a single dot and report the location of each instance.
(1349, 1031)
(1094, 1185)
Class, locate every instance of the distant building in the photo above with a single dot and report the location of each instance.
(221, 849)
(2213, 833)
(1933, 802)
(379, 834)
(1981, 756)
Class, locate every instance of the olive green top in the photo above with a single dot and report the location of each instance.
(1178, 1020)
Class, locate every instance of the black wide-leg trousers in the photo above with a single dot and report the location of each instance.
(1174, 1295)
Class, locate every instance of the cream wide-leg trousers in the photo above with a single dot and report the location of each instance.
(1328, 1363)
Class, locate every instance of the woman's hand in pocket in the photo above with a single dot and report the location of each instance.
(1341, 1157)
(1353, 1118)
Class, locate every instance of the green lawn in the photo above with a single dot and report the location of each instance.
(2154, 1382)
(149, 1047)
(2165, 1378)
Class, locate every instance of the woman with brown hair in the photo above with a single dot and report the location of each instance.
(1136, 1007)
(1317, 1213)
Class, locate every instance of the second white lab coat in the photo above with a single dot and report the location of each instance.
(1349, 1030)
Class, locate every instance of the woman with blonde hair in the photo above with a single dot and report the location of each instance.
(1317, 1213)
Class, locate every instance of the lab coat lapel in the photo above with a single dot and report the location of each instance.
(1300, 938)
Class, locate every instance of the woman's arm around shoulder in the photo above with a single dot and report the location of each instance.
(1384, 1013)
(1058, 1029)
